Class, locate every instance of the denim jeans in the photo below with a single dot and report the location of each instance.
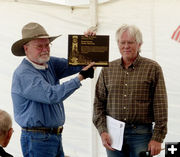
(136, 139)
(36, 144)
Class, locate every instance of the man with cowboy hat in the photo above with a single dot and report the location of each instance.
(37, 95)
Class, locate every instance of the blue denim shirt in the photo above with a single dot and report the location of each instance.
(37, 94)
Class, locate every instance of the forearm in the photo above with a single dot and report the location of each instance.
(100, 103)
(99, 117)
(100, 124)
(37, 89)
(160, 108)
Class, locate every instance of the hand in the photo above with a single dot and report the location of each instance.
(91, 31)
(106, 141)
(154, 147)
(87, 72)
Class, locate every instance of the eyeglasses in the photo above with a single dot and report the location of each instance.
(41, 47)
(127, 42)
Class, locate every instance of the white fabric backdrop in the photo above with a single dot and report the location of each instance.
(157, 20)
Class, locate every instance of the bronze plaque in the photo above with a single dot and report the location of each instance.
(83, 50)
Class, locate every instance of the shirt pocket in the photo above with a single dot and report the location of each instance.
(142, 91)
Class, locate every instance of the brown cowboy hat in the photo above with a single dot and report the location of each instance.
(30, 32)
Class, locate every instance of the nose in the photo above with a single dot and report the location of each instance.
(45, 48)
(126, 45)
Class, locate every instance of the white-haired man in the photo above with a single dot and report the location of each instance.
(132, 90)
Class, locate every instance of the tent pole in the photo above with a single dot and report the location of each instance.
(93, 12)
(93, 27)
(153, 30)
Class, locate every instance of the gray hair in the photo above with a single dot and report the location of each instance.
(133, 31)
(5, 122)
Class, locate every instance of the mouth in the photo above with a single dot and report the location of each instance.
(127, 52)
(44, 54)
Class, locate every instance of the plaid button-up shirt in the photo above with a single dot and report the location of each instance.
(134, 95)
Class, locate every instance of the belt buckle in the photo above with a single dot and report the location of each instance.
(59, 130)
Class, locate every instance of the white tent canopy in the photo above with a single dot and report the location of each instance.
(73, 2)
(157, 19)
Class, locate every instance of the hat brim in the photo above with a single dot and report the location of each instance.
(18, 49)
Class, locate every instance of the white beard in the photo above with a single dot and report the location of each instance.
(43, 60)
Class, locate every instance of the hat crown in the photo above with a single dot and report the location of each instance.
(32, 30)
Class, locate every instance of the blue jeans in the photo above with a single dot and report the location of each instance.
(37, 144)
(136, 139)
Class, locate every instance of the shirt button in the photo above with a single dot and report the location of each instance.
(125, 95)
(125, 84)
(124, 107)
(125, 119)
(127, 73)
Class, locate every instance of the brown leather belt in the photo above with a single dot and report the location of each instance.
(56, 131)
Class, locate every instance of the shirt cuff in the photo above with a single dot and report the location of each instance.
(158, 138)
(102, 129)
(77, 81)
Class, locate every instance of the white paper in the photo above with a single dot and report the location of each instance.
(116, 132)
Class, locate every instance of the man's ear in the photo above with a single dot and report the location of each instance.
(10, 132)
(25, 48)
(8, 137)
